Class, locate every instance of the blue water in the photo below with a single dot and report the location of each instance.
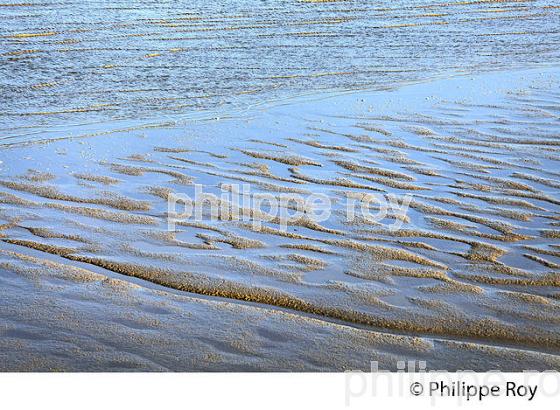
(73, 62)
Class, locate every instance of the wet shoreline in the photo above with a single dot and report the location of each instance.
(74, 62)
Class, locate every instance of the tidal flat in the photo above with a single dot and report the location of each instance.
(462, 270)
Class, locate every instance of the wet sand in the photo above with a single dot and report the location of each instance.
(92, 278)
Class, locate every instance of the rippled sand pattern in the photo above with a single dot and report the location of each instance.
(476, 263)
(77, 61)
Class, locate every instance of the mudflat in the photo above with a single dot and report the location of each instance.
(451, 254)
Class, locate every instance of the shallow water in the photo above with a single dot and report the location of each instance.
(74, 62)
